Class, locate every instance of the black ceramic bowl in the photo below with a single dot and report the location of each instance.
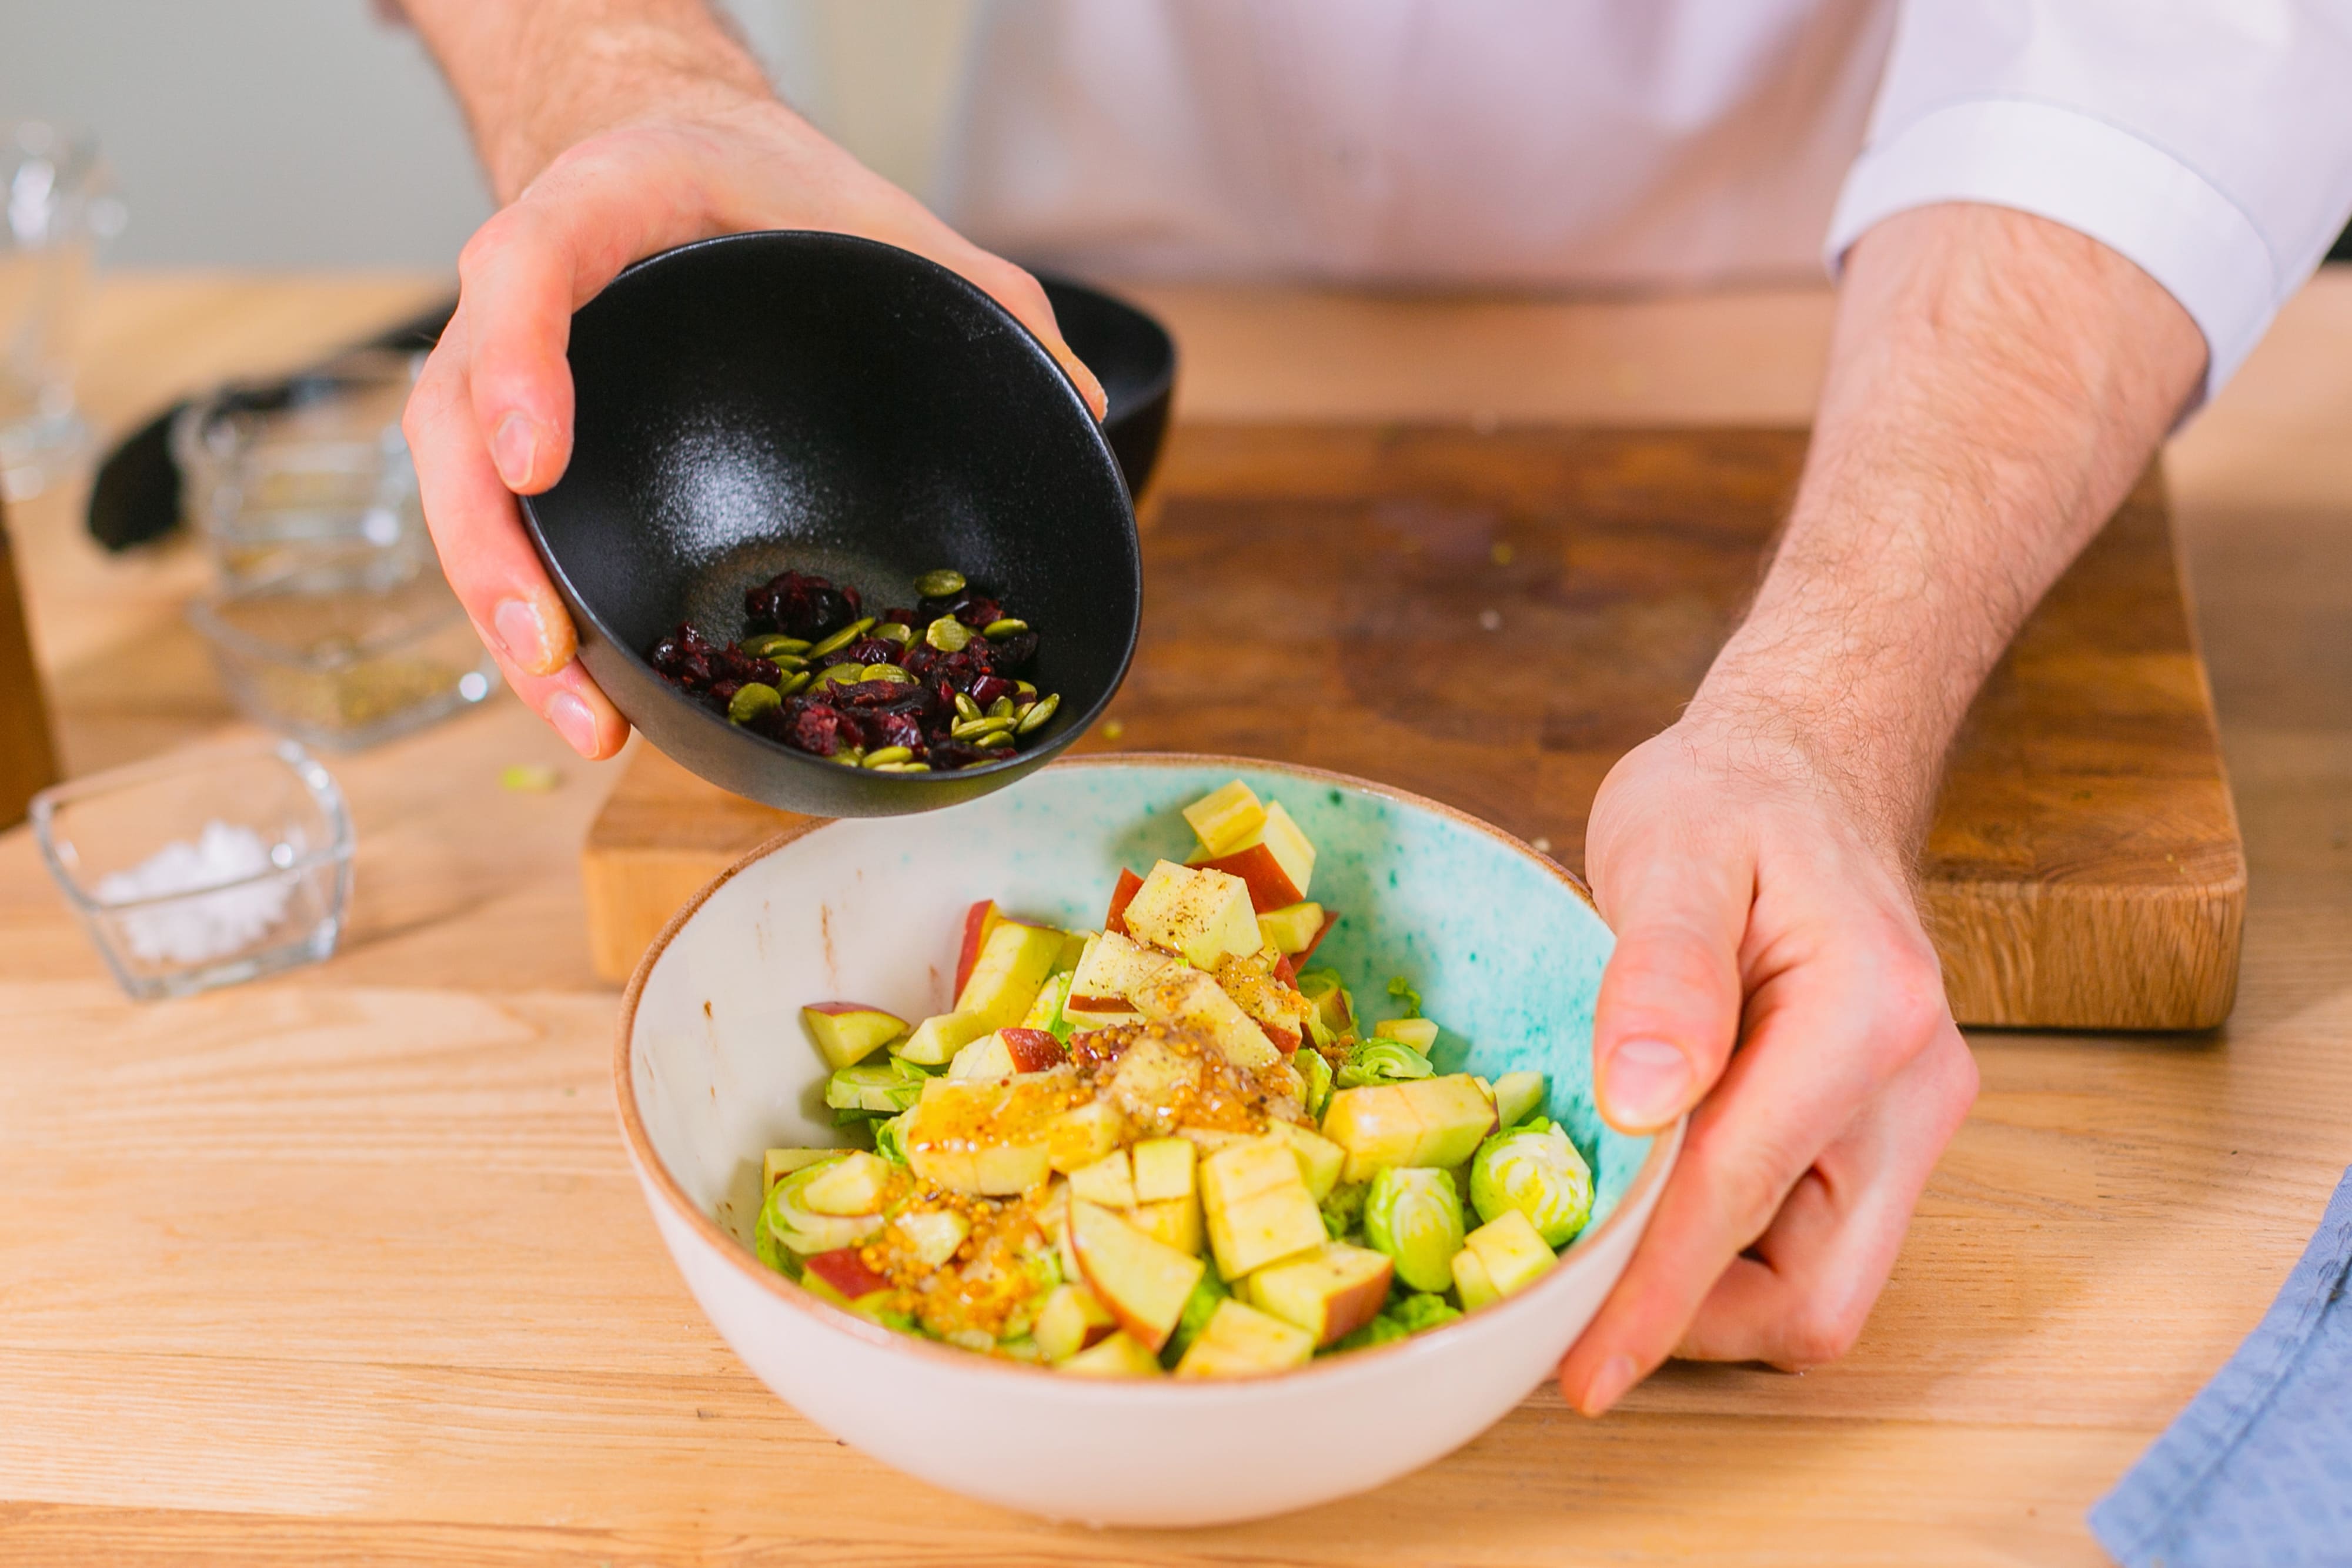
(838, 406)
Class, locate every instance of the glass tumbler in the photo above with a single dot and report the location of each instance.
(275, 478)
(55, 210)
(203, 868)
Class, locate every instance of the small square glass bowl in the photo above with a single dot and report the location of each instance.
(203, 868)
(347, 650)
(273, 473)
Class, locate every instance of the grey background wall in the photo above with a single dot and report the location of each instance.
(309, 133)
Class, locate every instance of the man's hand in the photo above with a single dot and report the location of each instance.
(1996, 383)
(617, 128)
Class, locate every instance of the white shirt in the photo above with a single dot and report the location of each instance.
(1614, 143)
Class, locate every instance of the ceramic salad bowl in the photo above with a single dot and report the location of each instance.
(712, 1068)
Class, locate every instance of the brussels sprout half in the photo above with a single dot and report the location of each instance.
(1382, 1062)
(1533, 1168)
(1414, 1215)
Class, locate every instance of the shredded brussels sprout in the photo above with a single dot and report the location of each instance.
(1533, 1168)
(1381, 1061)
(1401, 989)
(1414, 1215)
(1316, 1072)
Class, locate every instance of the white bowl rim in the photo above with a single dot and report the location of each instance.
(1664, 1143)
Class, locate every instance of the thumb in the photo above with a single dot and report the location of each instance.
(1668, 1013)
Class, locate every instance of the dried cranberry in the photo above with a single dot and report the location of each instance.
(800, 605)
(946, 754)
(816, 729)
(723, 692)
(1016, 652)
(898, 618)
(987, 688)
(979, 612)
(864, 651)
(892, 729)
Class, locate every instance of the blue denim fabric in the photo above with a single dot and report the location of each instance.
(2258, 1469)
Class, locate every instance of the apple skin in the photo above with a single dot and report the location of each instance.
(1270, 886)
(849, 1032)
(977, 921)
(1033, 1049)
(1143, 1282)
(1120, 897)
(1330, 918)
(846, 1272)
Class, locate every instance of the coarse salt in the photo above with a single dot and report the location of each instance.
(195, 929)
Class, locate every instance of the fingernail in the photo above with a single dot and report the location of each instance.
(515, 449)
(1645, 1082)
(1608, 1384)
(573, 722)
(522, 636)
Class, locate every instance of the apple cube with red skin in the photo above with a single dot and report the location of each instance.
(1330, 918)
(1072, 1318)
(1293, 928)
(1223, 819)
(936, 1039)
(984, 1058)
(1033, 1049)
(1437, 1122)
(843, 1275)
(944, 1134)
(1258, 1205)
(1239, 1341)
(849, 1032)
(1120, 897)
(1276, 861)
(1330, 1292)
(1109, 972)
(1010, 971)
(978, 922)
(1143, 1282)
(1202, 915)
(1119, 1356)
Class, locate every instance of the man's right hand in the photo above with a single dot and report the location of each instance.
(491, 416)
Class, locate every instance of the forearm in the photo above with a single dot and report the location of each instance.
(536, 76)
(1996, 383)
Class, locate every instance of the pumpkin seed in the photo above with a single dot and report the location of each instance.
(841, 674)
(947, 634)
(994, 740)
(900, 767)
(973, 729)
(965, 708)
(1024, 689)
(998, 630)
(887, 755)
(843, 638)
(895, 632)
(890, 674)
(787, 662)
(941, 583)
(1039, 712)
(795, 683)
(750, 701)
(849, 756)
(1001, 708)
(768, 644)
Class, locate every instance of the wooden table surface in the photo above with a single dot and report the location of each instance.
(348, 1266)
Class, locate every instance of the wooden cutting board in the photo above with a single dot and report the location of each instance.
(1493, 618)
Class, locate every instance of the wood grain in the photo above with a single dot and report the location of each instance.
(29, 758)
(349, 1267)
(1493, 618)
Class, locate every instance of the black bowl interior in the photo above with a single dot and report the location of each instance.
(836, 405)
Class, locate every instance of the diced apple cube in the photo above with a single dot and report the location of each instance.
(1111, 968)
(1418, 1034)
(851, 1185)
(936, 1039)
(1120, 1356)
(955, 1138)
(1013, 963)
(1223, 819)
(1292, 928)
(778, 1163)
(1518, 1095)
(1085, 1133)
(1241, 1341)
(1473, 1282)
(977, 921)
(1072, 1318)
(849, 1032)
(1511, 1250)
(1109, 1181)
(1174, 1221)
(841, 1276)
(1431, 1121)
(933, 1235)
(1320, 1160)
(1258, 1205)
(1191, 1000)
(1201, 914)
(1143, 1282)
(1033, 1049)
(1163, 1169)
(1276, 861)
(1047, 1010)
(986, 1059)
(1330, 1292)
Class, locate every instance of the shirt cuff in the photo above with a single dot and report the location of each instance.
(2129, 194)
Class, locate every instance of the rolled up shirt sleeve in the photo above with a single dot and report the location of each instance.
(2208, 141)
